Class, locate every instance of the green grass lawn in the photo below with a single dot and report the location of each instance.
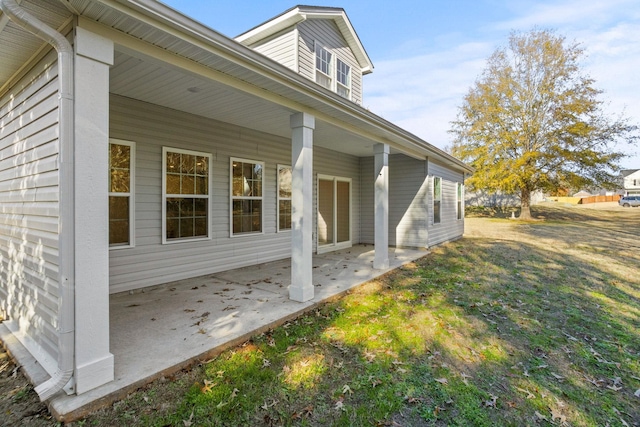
(517, 324)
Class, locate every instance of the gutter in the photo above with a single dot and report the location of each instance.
(66, 229)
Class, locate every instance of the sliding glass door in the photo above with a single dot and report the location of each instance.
(334, 213)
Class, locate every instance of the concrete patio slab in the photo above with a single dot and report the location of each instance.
(161, 330)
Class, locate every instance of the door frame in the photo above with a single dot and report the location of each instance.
(323, 248)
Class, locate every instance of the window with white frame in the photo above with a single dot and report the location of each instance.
(459, 200)
(247, 179)
(185, 192)
(437, 199)
(121, 193)
(284, 198)
(323, 66)
(343, 78)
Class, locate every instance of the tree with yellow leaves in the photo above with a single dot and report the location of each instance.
(534, 121)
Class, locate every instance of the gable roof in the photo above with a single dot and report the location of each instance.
(626, 172)
(301, 13)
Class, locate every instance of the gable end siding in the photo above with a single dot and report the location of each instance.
(29, 210)
(326, 32)
(280, 47)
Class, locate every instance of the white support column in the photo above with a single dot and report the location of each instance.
(302, 125)
(94, 363)
(381, 197)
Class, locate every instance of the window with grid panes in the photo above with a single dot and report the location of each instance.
(284, 198)
(121, 195)
(343, 77)
(437, 198)
(186, 194)
(323, 66)
(247, 179)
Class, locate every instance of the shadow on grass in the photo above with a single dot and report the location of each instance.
(538, 328)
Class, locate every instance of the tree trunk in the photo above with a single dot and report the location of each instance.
(525, 203)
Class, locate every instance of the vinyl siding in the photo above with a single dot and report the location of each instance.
(152, 127)
(408, 189)
(326, 32)
(280, 47)
(449, 228)
(29, 209)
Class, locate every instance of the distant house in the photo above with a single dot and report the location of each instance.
(631, 181)
(582, 194)
(139, 147)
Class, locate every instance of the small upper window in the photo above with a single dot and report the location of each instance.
(121, 195)
(247, 180)
(343, 78)
(323, 66)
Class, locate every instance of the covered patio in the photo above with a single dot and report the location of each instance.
(160, 330)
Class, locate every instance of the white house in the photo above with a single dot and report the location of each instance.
(631, 181)
(138, 147)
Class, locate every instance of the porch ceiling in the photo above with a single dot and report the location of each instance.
(162, 84)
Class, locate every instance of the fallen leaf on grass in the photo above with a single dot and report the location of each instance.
(290, 349)
(208, 385)
(340, 405)
(346, 389)
(369, 356)
(464, 378)
(529, 394)
(307, 411)
(540, 416)
(637, 393)
(189, 422)
(266, 363)
(557, 414)
(556, 376)
(267, 406)
(491, 403)
(442, 380)
(617, 384)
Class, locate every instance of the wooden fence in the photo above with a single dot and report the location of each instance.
(585, 200)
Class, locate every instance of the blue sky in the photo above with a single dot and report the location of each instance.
(428, 53)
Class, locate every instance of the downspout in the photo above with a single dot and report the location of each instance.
(66, 228)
